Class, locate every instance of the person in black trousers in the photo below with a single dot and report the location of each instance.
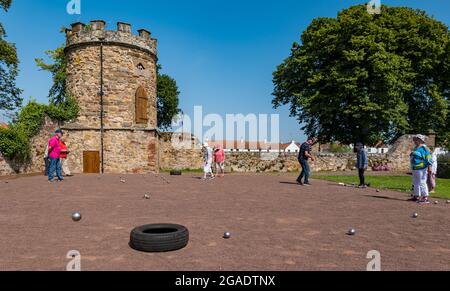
(362, 163)
(303, 157)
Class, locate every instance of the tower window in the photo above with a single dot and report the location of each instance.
(140, 67)
(141, 106)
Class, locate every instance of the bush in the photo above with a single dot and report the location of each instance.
(64, 112)
(15, 140)
(336, 148)
(31, 118)
(14, 143)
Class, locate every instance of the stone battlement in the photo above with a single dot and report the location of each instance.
(95, 32)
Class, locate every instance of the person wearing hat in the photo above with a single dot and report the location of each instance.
(421, 164)
(208, 159)
(54, 155)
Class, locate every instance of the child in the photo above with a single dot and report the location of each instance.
(208, 159)
(219, 159)
(362, 163)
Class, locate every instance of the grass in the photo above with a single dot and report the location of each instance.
(396, 183)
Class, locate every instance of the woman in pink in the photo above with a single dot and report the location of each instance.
(219, 160)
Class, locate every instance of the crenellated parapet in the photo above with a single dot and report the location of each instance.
(81, 34)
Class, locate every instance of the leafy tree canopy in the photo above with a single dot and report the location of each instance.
(10, 95)
(168, 100)
(369, 77)
(58, 92)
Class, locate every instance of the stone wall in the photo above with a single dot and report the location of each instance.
(396, 160)
(179, 152)
(36, 162)
(139, 147)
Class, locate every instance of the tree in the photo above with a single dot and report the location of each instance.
(167, 101)
(363, 77)
(10, 95)
(58, 92)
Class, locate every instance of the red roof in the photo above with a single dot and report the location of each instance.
(3, 125)
(247, 145)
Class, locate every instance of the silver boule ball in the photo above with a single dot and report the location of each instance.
(415, 215)
(146, 196)
(227, 235)
(351, 231)
(76, 216)
(448, 201)
(436, 202)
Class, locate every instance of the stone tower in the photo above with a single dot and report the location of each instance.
(112, 75)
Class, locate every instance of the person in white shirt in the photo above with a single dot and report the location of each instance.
(208, 159)
(432, 176)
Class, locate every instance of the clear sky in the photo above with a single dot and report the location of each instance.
(221, 52)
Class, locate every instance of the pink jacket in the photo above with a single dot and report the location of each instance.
(219, 156)
(54, 148)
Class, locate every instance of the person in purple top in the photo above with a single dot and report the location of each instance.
(54, 154)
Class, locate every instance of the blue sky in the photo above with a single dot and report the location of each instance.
(222, 53)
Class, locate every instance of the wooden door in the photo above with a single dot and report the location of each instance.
(91, 162)
(141, 106)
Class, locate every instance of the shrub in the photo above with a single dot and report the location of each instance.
(15, 140)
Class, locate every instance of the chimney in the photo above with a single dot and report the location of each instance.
(144, 33)
(98, 25)
(77, 27)
(124, 27)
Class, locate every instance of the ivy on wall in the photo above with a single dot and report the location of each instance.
(15, 140)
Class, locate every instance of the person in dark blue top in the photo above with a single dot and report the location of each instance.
(303, 157)
(362, 163)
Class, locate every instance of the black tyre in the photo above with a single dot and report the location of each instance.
(159, 238)
(175, 173)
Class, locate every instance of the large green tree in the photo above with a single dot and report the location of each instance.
(368, 77)
(10, 95)
(57, 67)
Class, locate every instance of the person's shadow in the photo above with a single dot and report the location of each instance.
(386, 198)
(290, 183)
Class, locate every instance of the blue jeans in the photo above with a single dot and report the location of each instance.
(55, 166)
(306, 171)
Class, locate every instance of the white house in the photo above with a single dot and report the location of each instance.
(293, 147)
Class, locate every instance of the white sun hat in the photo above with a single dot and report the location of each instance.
(421, 137)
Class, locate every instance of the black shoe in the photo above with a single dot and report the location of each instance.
(300, 183)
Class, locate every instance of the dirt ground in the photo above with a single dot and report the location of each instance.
(276, 224)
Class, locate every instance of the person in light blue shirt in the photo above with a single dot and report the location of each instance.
(421, 165)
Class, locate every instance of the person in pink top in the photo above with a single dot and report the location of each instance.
(54, 154)
(219, 160)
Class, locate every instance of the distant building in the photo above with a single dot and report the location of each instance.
(292, 147)
(242, 146)
(379, 148)
(3, 125)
